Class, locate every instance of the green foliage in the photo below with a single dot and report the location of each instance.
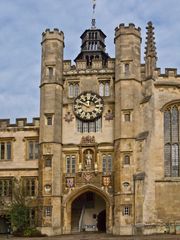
(19, 215)
(31, 232)
(18, 209)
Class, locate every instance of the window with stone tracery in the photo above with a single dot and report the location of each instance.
(171, 142)
(107, 163)
(93, 126)
(73, 89)
(70, 164)
(104, 88)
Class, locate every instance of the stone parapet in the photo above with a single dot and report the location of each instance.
(53, 34)
(169, 72)
(20, 123)
(126, 30)
(81, 65)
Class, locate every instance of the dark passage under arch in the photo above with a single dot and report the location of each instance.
(101, 221)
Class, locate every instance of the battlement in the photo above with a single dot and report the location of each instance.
(169, 73)
(129, 29)
(20, 123)
(82, 65)
(54, 34)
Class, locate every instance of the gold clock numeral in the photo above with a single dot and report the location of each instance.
(79, 110)
(97, 110)
(88, 115)
(94, 114)
(98, 100)
(77, 106)
(94, 97)
(99, 105)
(83, 97)
(82, 115)
(88, 95)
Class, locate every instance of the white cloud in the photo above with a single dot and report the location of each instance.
(22, 22)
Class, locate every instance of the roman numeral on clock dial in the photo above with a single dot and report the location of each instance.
(88, 106)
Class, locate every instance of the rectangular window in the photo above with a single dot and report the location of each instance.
(48, 161)
(32, 217)
(70, 164)
(5, 187)
(32, 149)
(5, 150)
(30, 186)
(48, 211)
(49, 120)
(107, 163)
(94, 126)
(126, 69)
(126, 159)
(73, 89)
(126, 211)
(50, 72)
(104, 88)
(98, 123)
(127, 117)
(85, 127)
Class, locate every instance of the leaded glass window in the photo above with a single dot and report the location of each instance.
(104, 88)
(107, 164)
(32, 150)
(73, 89)
(5, 150)
(5, 187)
(93, 126)
(70, 164)
(171, 142)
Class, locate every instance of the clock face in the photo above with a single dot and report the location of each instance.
(88, 106)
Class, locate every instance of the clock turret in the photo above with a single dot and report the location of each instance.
(93, 46)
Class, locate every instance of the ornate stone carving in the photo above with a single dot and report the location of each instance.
(87, 176)
(70, 182)
(106, 181)
(88, 140)
(109, 115)
(68, 117)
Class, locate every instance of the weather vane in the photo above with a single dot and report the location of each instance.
(93, 18)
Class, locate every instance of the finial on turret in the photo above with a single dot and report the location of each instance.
(150, 50)
(93, 22)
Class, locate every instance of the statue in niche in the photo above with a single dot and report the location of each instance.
(88, 159)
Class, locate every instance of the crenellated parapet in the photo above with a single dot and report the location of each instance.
(21, 123)
(129, 29)
(55, 34)
(168, 73)
(170, 78)
(81, 66)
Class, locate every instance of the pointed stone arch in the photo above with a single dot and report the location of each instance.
(68, 200)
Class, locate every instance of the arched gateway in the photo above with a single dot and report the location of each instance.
(88, 209)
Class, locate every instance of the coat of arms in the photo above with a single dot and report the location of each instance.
(106, 180)
(70, 182)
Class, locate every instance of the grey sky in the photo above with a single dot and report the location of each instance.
(23, 21)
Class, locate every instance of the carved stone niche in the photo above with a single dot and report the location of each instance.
(88, 159)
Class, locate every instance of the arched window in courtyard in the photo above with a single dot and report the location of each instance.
(171, 142)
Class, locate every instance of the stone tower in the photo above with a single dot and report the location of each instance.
(50, 165)
(127, 97)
